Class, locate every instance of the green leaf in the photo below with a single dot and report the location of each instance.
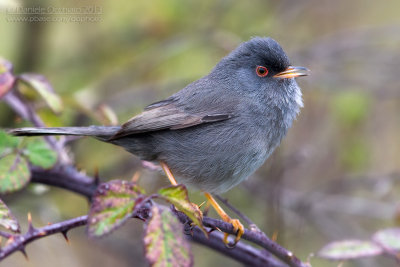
(7, 143)
(14, 173)
(40, 154)
(7, 78)
(349, 249)
(178, 196)
(389, 239)
(41, 85)
(7, 220)
(113, 203)
(165, 242)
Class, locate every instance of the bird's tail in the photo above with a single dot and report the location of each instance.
(100, 132)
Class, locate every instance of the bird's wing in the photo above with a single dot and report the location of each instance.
(164, 115)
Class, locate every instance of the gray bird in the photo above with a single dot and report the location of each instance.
(218, 130)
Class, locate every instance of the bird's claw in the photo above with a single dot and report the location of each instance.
(238, 228)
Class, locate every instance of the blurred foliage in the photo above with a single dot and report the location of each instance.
(350, 107)
(336, 174)
(16, 154)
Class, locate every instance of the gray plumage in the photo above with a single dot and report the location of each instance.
(216, 131)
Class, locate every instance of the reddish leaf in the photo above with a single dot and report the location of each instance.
(113, 203)
(165, 242)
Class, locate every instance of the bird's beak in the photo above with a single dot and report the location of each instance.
(292, 72)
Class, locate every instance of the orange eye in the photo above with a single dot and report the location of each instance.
(261, 71)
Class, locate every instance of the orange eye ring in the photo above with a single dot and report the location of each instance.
(261, 71)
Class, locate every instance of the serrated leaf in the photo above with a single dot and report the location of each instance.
(388, 238)
(349, 249)
(14, 173)
(7, 143)
(178, 196)
(7, 220)
(40, 154)
(165, 242)
(113, 203)
(41, 85)
(7, 78)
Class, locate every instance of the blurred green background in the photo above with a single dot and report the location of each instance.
(335, 176)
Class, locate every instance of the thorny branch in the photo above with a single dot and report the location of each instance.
(18, 242)
(67, 177)
(74, 181)
(243, 253)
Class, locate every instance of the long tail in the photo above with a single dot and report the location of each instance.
(100, 132)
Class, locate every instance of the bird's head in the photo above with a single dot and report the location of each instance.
(259, 64)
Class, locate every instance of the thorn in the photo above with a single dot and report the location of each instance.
(43, 233)
(274, 236)
(202, 203)
(136, 176)
(96, 180)
(211, 230)
(31, 229)
(24, 252)
(64, 233)
(254, 228)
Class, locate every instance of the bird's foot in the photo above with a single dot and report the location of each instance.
(238, 228)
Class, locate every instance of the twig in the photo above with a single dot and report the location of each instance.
(18, 242)
(242, 252)
(70, 179)
(66, 177)
(258, 238)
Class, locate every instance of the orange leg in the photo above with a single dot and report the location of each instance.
(168, 173)
(237, 226)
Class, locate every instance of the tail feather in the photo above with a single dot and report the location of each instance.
(101, 132)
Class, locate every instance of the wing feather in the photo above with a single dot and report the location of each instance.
(165, 115)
